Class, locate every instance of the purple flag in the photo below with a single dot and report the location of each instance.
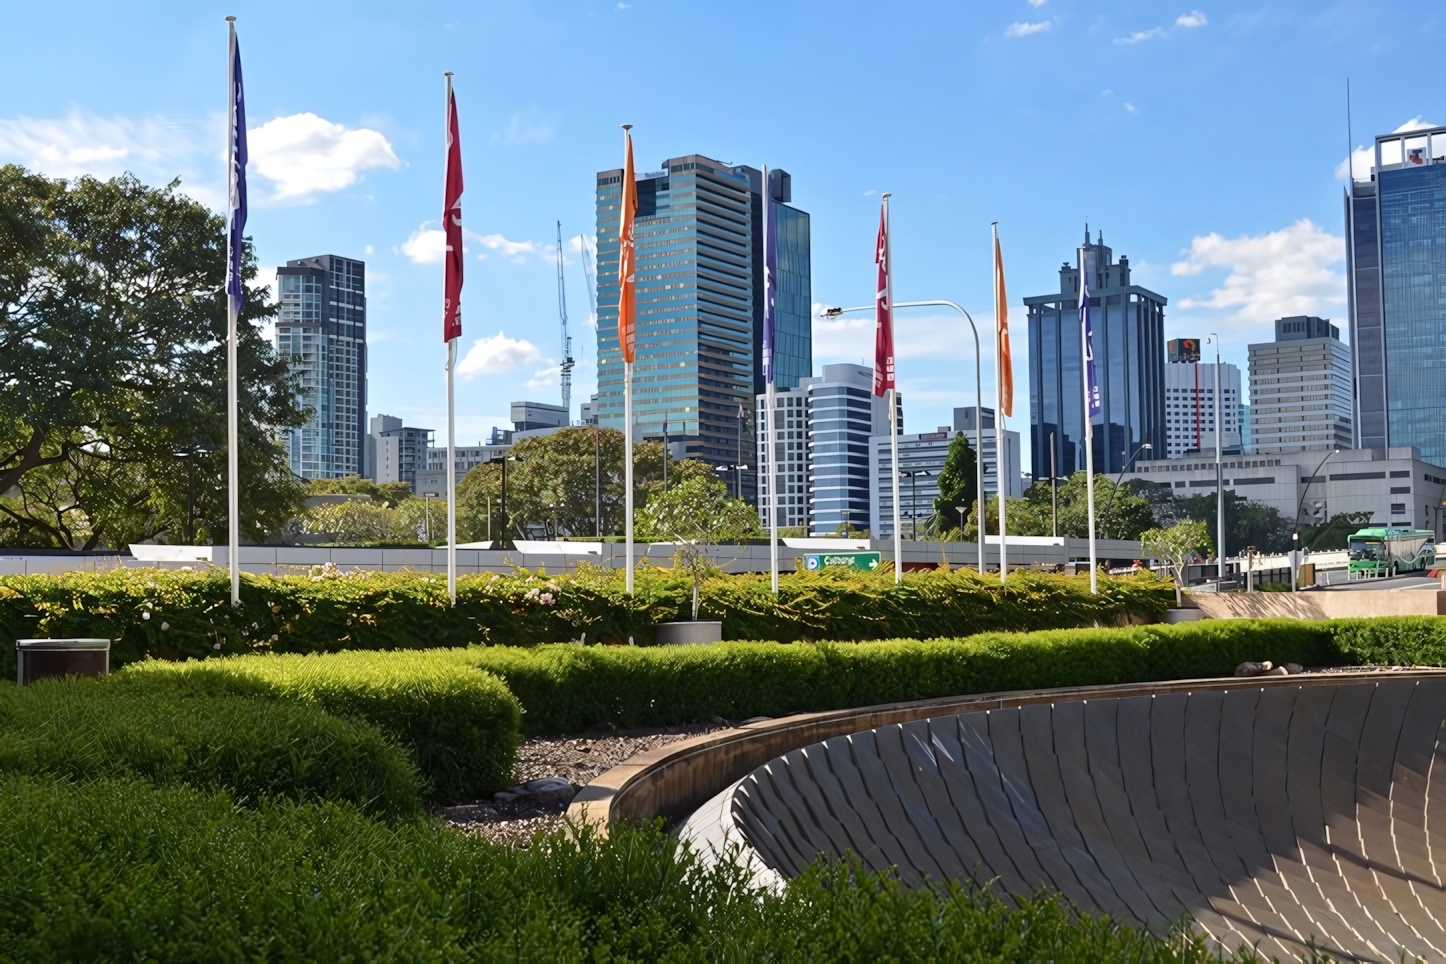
(236, 209)
(770, 277)
(1092, 383)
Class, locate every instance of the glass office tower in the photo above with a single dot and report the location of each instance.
(1397, 269)
(700, 305)
(321, 330)
(1129, 334)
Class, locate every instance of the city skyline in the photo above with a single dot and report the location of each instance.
(347, 157)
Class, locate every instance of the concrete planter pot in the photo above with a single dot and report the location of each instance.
(689, 631)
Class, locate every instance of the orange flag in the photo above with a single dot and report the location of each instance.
(1001, 312)
(627, 255)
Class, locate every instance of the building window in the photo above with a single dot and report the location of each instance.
(1398, 507)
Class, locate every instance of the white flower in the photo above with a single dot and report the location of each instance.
(145, 615)
(215, 645)
(274, 637)
(547, 598)
(165, 626)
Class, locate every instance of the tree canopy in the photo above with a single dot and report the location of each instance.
(1031, 515)
(113, 369)
(958, 485)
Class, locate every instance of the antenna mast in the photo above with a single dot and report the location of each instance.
(567, 361)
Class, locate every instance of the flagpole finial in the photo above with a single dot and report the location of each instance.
(446, 73)
(887, 194)
(230, 19)
(627, 127)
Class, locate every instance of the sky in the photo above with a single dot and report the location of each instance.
(1207, 143)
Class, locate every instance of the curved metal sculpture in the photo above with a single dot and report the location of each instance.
(1285, 817)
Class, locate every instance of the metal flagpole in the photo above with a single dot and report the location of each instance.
(770, 405)
(999, 453)
(893, 403)
(452, 408)
(1220, 472)
(233, 306)
(628, 465)
(1089, 429)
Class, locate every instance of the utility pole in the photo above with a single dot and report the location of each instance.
(567, 361)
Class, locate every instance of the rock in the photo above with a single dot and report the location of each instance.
(1293, 668)
(506, 796)
(542, 792)
(1266, 666)
(1278, 671)
(1249, 669)
(756, 719)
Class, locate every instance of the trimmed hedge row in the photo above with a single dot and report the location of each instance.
(462, 727)
(82, 729)
(116, 870)
(174, 614)
(566, 688)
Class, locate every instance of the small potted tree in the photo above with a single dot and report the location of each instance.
(1176, 546)
(696, 514)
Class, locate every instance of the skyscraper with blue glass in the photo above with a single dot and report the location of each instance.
(1396, 221)
(700, 304)
(1129, 333)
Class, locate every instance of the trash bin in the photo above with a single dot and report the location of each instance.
(44, 658)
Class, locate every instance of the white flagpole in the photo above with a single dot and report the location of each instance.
(999, 453)
(1089, 428)
(451, 415)
(628, 465)
(893, 395)
(770, 407)
(233, 432)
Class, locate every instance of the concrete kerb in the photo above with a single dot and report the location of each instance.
(674, 780)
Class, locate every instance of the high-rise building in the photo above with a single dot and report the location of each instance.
(1190, 403)
(700, 304)
(1014, 482)
(1300, 389)
(396, 452)
(783, 458)
(322, 332)
(1129, 351)
(921, 458)
(1396, 263)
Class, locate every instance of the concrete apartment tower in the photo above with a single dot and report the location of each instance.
(1300, 389)
(322, 332)
(1190, 403)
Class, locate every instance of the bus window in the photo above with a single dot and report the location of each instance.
(1366, 549)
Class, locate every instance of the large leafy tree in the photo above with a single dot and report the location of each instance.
(1247, 523)
(958, 485)
(113, 370)
(1119, 513)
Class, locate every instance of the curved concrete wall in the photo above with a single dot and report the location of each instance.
(1304, 812)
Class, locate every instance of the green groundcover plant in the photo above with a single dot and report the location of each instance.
(171, 614)
(256, 749)
(119, 870)
(460, 725)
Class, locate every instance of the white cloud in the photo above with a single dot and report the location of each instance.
(1038, 3)
(520, 130)
(1364, 158)
(1285, 272)
(1025, 29)
(306, 154)
(1131, 108)
(1140, 36)
(515, 250)
(155, 149)
(424, 246)
(543, 378)
(870, 192)
(498, 355)
(366, 249)
(1191, 20)
(625, 6)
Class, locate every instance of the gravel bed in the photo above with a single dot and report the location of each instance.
(578, 758)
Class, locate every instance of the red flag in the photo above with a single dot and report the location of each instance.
(1001, 309)
(883, 312)
(627, 256)
(452, 226)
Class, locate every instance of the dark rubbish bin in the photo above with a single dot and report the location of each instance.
(44, 658)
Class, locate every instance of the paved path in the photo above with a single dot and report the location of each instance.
(1283, 817)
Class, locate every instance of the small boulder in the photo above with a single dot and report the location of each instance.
(1278, 671)
(1293, 668)
(1250, 669)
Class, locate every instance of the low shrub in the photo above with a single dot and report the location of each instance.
(462, 726)
(115, 870)
(177, 614)
(565, 688)
(255, 749)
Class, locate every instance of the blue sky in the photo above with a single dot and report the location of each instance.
(1206, 140)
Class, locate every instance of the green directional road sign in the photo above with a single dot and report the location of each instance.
(866, 561)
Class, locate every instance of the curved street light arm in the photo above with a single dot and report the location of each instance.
(1295, 533)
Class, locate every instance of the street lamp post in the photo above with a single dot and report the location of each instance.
(506, 540)
(1118, 479)
(913, 478)
(190, 456)
(961, 509)
(978, 398)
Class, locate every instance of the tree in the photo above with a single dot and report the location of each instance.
(1335, 533)
(113, 369)
(1032, 514)
(389, 494)
(1246, 523)
(697, 513)
(1176, 546)
(958, 485)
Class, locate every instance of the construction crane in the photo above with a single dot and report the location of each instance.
(588, 275)
(567, 361)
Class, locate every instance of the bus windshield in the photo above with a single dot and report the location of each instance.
(1367, 549)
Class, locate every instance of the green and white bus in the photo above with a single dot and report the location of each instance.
(1382, 551)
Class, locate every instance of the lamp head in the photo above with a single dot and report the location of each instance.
(832, 312)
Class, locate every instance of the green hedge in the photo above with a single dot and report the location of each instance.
(83, 729)
(114, 870)
(173, 614)
(461, 726)
(565, 688)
